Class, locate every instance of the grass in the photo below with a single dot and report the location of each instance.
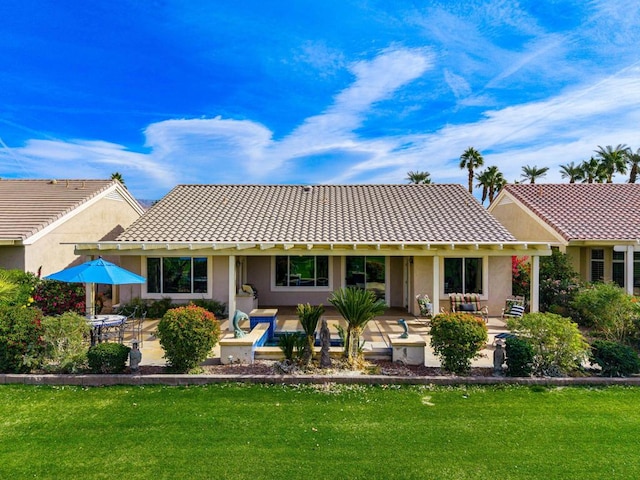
(255, 432)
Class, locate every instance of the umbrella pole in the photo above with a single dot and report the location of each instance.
(89, 299)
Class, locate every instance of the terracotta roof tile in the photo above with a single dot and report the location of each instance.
(583, 211)
(321, 214)
(28, 206)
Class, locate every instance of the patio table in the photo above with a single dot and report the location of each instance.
(99, 322)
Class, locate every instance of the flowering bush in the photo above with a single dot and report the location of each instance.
(18, 288)
(520, 276)
(56, 298)
(21, 344)
(187, 335)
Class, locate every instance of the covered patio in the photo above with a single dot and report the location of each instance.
(376, 336)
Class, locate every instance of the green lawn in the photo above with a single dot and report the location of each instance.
(338, 432)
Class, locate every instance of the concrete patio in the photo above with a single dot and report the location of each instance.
(377, 336)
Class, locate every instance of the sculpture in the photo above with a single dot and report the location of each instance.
(404, 325)
(325, 344)
(135, 357)
(237, 331)
(499, 356)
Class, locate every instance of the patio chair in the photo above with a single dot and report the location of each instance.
(514, 307)
(136, 326)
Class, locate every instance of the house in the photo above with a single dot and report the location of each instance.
(597, 225)
(297, 244)
(41, 220)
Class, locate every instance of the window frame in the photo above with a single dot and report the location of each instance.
(288, 288)
(617, 261)
(598, 261)
(177, 296)
(485, 275)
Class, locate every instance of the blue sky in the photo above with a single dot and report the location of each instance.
(254, 91)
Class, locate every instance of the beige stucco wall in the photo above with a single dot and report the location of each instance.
(521, 224)
(395, 279)
(103, 220)
(12, 257)
(421, 280)
(499, 287)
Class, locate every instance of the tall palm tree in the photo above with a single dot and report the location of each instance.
(613, 160)
(633, 159)
(592, 171)
(419, 177)
(533, 173)
(118, 176)
(571, 171)
(471, 159)
(491, 180)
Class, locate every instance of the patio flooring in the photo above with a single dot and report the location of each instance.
(376, 335)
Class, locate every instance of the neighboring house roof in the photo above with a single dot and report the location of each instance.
(584, 211)
(319, 214)
(29, 206)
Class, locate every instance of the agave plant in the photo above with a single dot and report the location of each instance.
(357, 307)
(309, 316)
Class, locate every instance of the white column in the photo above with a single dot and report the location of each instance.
(232, 290)
(89, 299)
(628, 270)
(534, 288)
(436, 285)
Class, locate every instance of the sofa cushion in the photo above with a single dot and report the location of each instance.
(467, 307)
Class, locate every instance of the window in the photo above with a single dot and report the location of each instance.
(176, 275)
(463, 275)
(368, 273)
(617, 273)
(302, 271)
(636, 273)
(597, 264)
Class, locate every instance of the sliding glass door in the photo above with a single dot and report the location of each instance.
(368, 273)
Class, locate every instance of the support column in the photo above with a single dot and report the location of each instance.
(534, 288)
(232, 290)
(628, 270)
(436, 285)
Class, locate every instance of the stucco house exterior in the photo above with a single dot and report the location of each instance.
(41, 220)
(297, 244)
(597, 225)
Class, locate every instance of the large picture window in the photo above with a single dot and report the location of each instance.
(177, 275)
(302, 271)
(463, 275)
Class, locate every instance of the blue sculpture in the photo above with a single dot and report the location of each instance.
(237, 331)
(404, 325)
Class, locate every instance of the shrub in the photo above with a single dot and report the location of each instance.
(520, 276)
(21, 345)
(608, 309)
(56, 298)
(558, 282)
(64, 337)
(616, 359)
(519, 357)
(219, 309)
(458, 338)
(292, 345)
(159, 308)
(108, 357)
(17, 288)
(187, 335)
(558, 345)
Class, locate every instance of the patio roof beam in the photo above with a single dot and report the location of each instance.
(245, 246)
(267, 246)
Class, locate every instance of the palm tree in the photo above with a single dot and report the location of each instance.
(592, 171)
(533, 173)
(571, 171)
(612, 160)
(633, 159)
(118, 176)
(357, 306)
(491, 180)
(309, 315)
(419, 177)
(471, 159)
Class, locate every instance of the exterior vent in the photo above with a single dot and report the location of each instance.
(307, 189)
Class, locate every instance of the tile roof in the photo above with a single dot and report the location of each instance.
(583, 211)
(28, 206)
(319, 214)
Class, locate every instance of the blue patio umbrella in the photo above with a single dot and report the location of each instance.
(96, 271)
